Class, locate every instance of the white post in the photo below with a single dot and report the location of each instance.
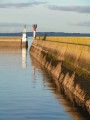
(34, 34)
(24, 38)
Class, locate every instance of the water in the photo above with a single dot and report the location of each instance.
(27, 91)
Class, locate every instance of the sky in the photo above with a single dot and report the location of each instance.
(71, 16)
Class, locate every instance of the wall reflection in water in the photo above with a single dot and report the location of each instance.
(10, 57)
(74, 112)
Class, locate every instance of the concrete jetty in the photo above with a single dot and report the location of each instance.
(13, 41)
(10, 41)
(68, 61)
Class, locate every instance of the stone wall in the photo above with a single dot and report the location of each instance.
(10, 42)
(69, 63)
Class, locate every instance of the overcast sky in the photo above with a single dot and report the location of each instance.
(49, 15)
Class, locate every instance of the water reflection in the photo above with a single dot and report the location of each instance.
(10, 57)
(24, 58)
(34, 76)
(75, 113)
(29, 93)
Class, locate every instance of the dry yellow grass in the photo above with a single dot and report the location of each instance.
(75, 40)
(11, 39)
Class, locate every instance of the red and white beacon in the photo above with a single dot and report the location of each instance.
(34, 30)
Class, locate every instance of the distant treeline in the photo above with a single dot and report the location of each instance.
(30, 34)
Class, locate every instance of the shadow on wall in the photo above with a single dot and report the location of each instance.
(75, 86)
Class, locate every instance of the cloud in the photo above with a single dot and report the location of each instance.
(14, 27)
(86, 24)
(78, 9)
(20, 5)
(13, 24)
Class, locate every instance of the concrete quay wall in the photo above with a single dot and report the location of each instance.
(68, 61)
(10, 41)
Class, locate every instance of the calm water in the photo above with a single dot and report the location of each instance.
(27, 91)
